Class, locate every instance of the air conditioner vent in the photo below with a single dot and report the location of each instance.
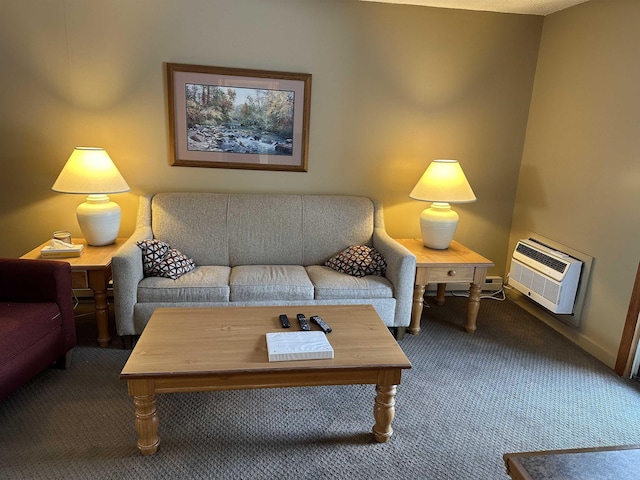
(541, 257)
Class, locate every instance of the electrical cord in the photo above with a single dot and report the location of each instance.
(498, 295)
(76, 302)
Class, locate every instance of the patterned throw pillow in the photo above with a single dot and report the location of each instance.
(358, 261)
(160, 260)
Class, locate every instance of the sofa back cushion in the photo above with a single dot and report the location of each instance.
(193, 223)
(332, 223)
(268, 229)
(265, 230)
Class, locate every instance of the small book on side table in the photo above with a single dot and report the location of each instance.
(284, 346)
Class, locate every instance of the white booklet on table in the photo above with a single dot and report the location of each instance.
(301, 345)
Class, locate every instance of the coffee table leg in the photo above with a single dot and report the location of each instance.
(147, 423)
(383, 412)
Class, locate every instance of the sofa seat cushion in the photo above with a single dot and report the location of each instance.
(203, 284)
(270, 282)
(24, 324)
(330, 284)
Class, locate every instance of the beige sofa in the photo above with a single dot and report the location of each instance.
(262, 249)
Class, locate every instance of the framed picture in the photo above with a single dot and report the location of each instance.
(238, 118)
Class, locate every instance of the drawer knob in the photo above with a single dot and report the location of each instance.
(451, 273)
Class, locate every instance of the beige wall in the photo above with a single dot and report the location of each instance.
(394, 87)
(580, 177)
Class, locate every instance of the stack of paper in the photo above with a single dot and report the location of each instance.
(283, 346)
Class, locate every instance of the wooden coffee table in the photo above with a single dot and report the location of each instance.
(205, 349)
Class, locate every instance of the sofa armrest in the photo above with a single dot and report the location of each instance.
(127, 271)
(35, 281)
(401, 272)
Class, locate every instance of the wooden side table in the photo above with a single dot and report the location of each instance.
(457, 264)
(91, 270)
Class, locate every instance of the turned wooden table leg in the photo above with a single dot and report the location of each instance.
(147, 424)
(383, 412)
(98, 283)
(416, 310)
(440, 292)
(473, 307)
(144, 399)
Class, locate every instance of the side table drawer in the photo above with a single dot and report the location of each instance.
(425, 276)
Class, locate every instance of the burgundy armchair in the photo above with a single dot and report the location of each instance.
(37, 327)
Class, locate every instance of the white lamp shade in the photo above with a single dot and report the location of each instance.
(91, 171)
(443, 181)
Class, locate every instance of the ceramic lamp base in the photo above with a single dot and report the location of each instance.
(438, 224)
(99, 220)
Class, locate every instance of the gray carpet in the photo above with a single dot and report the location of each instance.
(515, 385)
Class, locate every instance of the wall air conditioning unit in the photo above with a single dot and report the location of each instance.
(547, 276)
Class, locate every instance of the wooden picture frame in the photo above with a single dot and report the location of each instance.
(238, 118)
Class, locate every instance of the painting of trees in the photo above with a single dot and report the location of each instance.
(269, 110)
(266, 110)
(209, 104)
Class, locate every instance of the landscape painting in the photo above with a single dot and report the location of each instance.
(237, 118)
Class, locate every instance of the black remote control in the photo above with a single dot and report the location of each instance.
(321, 323)
(302, 320)
(284, 320)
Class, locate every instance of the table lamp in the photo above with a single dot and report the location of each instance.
(91, 171)
(442, 183)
